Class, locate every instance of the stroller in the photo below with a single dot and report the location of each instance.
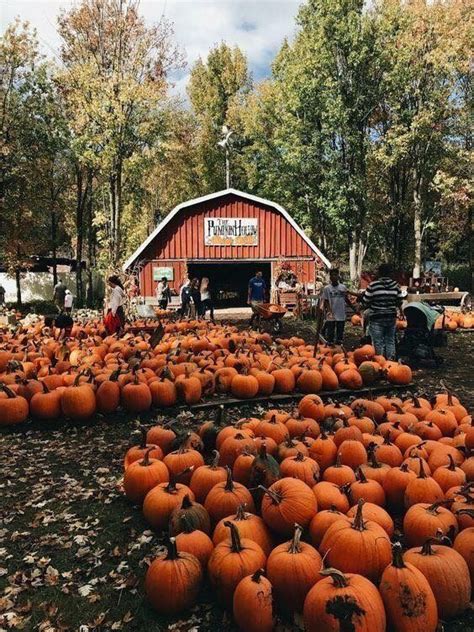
(420, 337)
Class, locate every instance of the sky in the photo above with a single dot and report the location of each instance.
(257, 26)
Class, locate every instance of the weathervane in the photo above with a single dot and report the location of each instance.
(226, 145)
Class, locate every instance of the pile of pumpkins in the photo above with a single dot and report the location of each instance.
(450, 321)
(90, 372)
(360, 516)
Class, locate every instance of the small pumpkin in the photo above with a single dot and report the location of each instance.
(253, 604)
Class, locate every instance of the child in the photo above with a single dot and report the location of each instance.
(334, 304)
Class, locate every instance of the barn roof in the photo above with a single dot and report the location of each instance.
(213, 196)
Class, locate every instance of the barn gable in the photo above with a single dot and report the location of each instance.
(178, 236)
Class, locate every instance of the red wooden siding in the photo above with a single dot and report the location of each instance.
(182, 240)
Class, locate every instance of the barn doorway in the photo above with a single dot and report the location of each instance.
(229, 281)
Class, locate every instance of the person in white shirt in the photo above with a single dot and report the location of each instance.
(116, 302)
(206, 298)
(334, 304)
(68, 299)
(163, 293)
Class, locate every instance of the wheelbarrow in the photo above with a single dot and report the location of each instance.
(269, 314)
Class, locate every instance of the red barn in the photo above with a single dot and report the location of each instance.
(226, 236)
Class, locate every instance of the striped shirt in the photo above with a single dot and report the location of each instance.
(382, 297)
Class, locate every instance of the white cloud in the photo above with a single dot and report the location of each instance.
(257, 26)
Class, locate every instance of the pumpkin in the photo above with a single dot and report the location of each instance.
(312, 406)
(136, 396)
(224, 498)
(343, 601)
(244, 386)
(329, 495)
(302, 467)
(293, 569)
(163, 392)
(339, 474)
(447, 574)
(183, 462)
(376, 514)
(249, 525)
(399, 374)
(298, 426)
(161, 436)
(389, 453)
(78, 401)
(352, 453)
(108, 395)
(138, 452)
(366, 489)
(422, 489)
(272, 428)
(265, 470)
(173, 581)
(423, 521)
(231, 561)
(45, 404)
(409, 602)
(448, 476)
(196, 517)
(309, 381)
(194, 541)
(253, 604)
(242, 468)
(142, 475)
(444, 419)
(160, 502)
(323, 451)
(321, 523)
(368, 543)
(233, 446)
(286, 502)
(464, 545)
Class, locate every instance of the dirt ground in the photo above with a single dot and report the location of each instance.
(73, 551)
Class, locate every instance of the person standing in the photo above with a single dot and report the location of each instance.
(68, 300)
(334, 304)
(256, 293)
(59, 294)
(382, 300)
(2, 295)
(163, 293)
(196, 296)
(185, 297)
(206, 299)
(115, 318)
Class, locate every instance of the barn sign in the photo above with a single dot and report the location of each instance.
(230, 231)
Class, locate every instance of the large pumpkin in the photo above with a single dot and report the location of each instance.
(286, 502)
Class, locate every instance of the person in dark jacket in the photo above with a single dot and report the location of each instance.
(196, 296)
(382, 301)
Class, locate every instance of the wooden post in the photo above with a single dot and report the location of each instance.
(319, 326)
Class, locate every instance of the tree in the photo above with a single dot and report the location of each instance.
(114, 83)
(214, 87)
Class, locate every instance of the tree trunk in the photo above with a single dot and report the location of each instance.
(54, 231)
(471, 248)
(90, 254)
(353, 259)
(18, 285)
(79, 234)
(417, 228)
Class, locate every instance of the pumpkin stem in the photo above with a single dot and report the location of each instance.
(361, 477)
(142, 437)
(397, 557)
(339, 579)
(146, 458)
(257, 575)
(236, 546)
(276, 499)
(240, 513)
(187, 503)
(440, 503)
(172, 550)
(229, 485)
(295, 542)
(422, 473)
(358, 522)
(403, 467)
(465, 512)
(9, 393)
(299, 456)
(374, 462)
(45, 388)
(220, 415)
(452, 464)
(215, 460)
(427, 549)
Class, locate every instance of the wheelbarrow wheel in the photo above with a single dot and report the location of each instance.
(276, 326)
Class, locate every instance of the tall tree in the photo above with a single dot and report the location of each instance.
(115, 83)
(214, 87)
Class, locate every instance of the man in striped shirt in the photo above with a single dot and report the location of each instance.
(383, 299)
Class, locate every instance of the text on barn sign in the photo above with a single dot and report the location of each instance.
(230, 231)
